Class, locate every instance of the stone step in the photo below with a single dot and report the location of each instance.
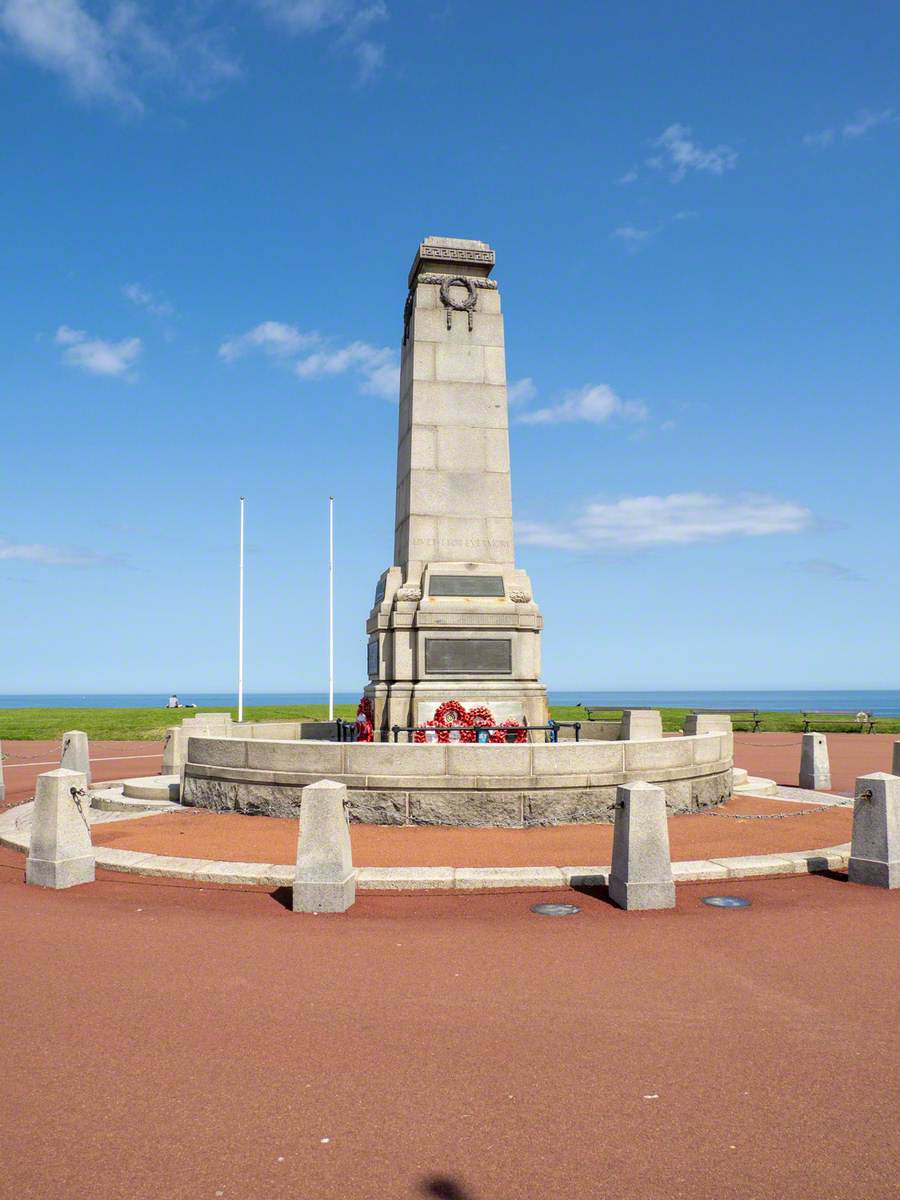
(153, 787)
(755, 785)
(739, 776)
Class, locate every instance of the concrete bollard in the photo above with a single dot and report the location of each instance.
(695, 723)
(640, 725)
(60, 854)
(641, 875)
(2, 784)
(324, 880)
(75, 754)
(895, 761)
(815, 772)
(875, 845)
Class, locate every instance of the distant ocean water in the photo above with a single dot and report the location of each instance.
(882, 703)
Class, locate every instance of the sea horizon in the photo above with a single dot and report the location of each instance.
(879, 701)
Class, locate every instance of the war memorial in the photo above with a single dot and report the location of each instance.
(454, 634)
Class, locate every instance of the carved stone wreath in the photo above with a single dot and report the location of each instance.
(466, 306)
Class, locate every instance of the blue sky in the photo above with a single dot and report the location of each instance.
(210, 209)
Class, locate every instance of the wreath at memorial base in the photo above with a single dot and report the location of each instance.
(365, 718)
(450, 715)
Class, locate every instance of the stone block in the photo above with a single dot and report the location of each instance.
(473, 878)
(641, 725)
(324, 880)
(404, 879)
(217, 751)
(60, 854)
(815, 772)
(895, 761)
(494, 365)
(641, 873)
(708, 790)
(596, 758)
(707, 747)
(697, 870)
(472, 808)
(875, 844)
(174, 750)
(489, 760)
(746, 866)
(75, 754)
(662, 754)
(576, 807)
(460, 363)
(695, 723)
(372, 807)
(388, 758)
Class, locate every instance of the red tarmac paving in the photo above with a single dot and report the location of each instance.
(234, 837)
(169, 1041)
(777, 756)
(24, 761)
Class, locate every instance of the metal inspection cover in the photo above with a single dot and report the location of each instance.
(555, 910)
(727, 901)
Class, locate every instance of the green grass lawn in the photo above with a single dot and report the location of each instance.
(149, 724)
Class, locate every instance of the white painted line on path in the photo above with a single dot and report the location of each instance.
(8, 766)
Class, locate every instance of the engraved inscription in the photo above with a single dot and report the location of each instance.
(468, 656)
(465, 585)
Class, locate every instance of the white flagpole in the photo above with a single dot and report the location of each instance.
(331, 608)
(241, 623)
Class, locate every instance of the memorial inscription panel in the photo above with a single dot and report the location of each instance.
(468, 656)
(465, 585)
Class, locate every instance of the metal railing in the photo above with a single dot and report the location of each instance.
(552, 727)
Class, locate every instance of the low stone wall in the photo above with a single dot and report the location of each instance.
(506, 785)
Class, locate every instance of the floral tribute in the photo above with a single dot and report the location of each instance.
(365, 720)
(451, 716)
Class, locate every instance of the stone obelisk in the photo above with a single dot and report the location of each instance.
(453, 618)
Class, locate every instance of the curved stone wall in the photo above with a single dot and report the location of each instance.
(408, 784)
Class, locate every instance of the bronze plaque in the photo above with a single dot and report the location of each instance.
(373, 657)
(468, 656)
(465, 585)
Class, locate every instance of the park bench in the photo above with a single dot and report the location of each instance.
(752, 715)
(590, 709)
(865, 720)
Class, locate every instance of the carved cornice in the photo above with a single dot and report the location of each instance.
(435, 277)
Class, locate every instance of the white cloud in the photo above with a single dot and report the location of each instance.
(96, 355)
(632, 238)
(827, 569)
(138, 295)
(377, 367)
(274, 337)
(680, 519)
(522, 391)
(596, 404)
(628, 177)
(352, 21)
(108, 58)
(54, 556)
(681, 154)
(62, 36)
(858, 127)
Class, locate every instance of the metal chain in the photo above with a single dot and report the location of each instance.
(76, 794)
(801, 812)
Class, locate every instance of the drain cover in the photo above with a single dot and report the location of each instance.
(555, 910)
(726, 901)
